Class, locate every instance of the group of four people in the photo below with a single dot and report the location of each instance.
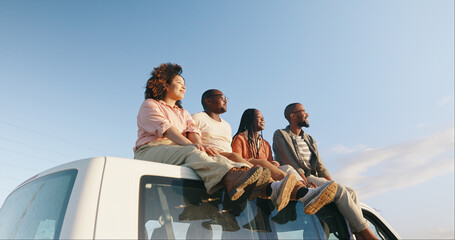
(243, 165)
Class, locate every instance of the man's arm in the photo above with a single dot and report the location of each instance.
(321, 170)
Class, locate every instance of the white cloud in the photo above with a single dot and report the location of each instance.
(442, 233)
(342, 149)
(421, 125)
(445, 100)
(375, 171)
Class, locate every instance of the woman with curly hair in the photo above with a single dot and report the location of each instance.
(168, 134)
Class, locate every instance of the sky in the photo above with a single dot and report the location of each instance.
(376, 77)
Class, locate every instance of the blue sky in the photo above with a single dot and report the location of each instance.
(377, 78)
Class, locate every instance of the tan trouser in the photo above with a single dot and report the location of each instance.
(210, 169)
(289, 169)
(348, 204)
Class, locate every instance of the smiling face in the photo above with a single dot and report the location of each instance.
(258, 123)
(176, 89)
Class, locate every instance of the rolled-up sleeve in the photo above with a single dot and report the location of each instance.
(320, 168)
(153, 120)
(268, 150)
(237, 146)
(190, 124)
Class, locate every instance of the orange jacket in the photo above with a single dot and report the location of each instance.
(241, 146)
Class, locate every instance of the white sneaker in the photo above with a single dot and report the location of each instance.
(281, 191)
(318, 197)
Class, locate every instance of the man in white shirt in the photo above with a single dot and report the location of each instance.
(217, 133)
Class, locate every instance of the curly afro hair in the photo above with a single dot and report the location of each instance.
(160, 76)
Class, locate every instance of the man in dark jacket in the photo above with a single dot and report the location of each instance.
(294, 147)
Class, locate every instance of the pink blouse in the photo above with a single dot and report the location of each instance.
(156, 117)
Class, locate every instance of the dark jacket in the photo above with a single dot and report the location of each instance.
(284, 147)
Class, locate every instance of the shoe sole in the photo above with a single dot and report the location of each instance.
(285, 192)
(265, 177)
(238, 191)
(324, 197)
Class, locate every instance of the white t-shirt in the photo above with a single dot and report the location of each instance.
(215, 134)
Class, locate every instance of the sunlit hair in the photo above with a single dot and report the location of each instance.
(206, 95)
(160, 76)
(289, 109)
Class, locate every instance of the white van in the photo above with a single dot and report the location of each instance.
(119, 198)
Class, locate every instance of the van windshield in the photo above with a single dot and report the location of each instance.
(36, 210)
(182, 209)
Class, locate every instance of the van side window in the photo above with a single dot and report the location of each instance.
(377, 226)
(36, 210)
(181, 209)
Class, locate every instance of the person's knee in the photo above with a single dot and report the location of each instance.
(342, 189)
(235, 157)
(352, 193)
(260, 162)
(232, 155)
(287, 168)
(341, 194)
(350, 190)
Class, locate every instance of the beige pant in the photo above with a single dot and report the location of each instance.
(289, 169)
(348, 204)
(210, 169)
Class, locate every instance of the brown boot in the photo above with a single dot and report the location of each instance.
(259, 187)
(237, 179)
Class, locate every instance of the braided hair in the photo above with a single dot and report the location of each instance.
(247, 124)
(160, 76)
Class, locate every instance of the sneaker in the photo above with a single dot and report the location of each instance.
(318, 197)
(261, 183)
(237, 179)
(281, 191)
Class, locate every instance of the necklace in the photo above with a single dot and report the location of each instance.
(255, 145)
